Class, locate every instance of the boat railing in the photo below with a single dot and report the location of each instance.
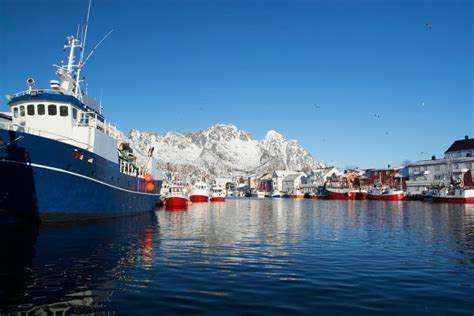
(34, 91)
(89, 119)
(42, 133)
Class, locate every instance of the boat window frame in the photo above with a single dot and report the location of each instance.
(74, 113)
(15, 112)
(51, 106)
(41, 109)
(32, 108)
(22, 111)
(61, 108)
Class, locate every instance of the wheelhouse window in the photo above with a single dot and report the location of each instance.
(41, 110)
(30, 109)
(22, 110)
(74, 114)
(15, 112)
(52, 109)
(63, 110)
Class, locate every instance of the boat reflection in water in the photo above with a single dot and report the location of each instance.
(71, 268)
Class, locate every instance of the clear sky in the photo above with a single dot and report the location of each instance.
(361, 83)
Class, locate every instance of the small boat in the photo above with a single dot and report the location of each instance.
(296, 194)
(461, 192)
(276, 194)
(260, 194)
(217, 194)
(454, 195)
(177, 197)
(200, 192)
(360, 194)
(385, 194)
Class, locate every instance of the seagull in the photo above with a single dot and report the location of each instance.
(386, 133)
(428, 25)
(317, 106)
(377, 115)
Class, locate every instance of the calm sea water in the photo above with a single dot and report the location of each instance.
(252, 257)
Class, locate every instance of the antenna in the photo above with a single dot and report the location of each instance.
(96, 46)
(83, 46)
(100, 102)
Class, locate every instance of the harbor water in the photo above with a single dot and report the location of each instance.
(249, 257)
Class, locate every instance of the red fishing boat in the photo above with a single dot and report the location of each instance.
(217, 194)
(177, 197)
(462, 192)
(200, 192)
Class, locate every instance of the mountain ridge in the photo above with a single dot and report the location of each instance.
(223, 150)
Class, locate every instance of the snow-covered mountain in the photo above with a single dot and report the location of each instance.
(223, 151)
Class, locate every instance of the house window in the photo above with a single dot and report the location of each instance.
(387, 173)
(30, 109)
(437, 168)
(63, 110)
(22, 110)
(41, 109)
(15, 112)
(52, 109)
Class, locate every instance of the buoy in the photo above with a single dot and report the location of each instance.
(150, 187)
(148, 178)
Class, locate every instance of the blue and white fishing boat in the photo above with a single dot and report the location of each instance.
(61, 159)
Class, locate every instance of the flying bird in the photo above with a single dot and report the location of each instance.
(428, 25)
(377, 115)
(386, 133)
(317, 106)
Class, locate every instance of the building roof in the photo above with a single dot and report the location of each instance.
(283, 173)
(464, 144)
(292, 177)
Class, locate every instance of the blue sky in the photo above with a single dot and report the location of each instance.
(261, 65)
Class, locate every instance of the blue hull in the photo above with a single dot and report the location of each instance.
(43, 178)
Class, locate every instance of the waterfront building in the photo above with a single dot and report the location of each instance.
(278, 176)
(424, 174)
(292, 183)
(390, 176)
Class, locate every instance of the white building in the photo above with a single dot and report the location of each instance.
(278, 176)
(425, 173)
(292, 183)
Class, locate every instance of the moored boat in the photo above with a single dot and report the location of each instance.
(341, 194)
(457, 195)
(385, 194)
(200, 192)
(177, 197)
(461, 192)
(59, 158)
(217, 194)
(276, 194)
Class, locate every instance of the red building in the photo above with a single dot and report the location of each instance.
(388, 176)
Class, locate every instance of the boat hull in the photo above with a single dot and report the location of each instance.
(217, 199)
(341, 195)
(453, 199)
(361, 195)
(386, 197)
(296, 196)
(176, 202)
(199, 198)
(44, 179)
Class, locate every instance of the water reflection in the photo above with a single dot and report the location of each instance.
(248, 256)
(70, 268)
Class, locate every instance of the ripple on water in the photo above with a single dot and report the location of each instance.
(249, 257)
